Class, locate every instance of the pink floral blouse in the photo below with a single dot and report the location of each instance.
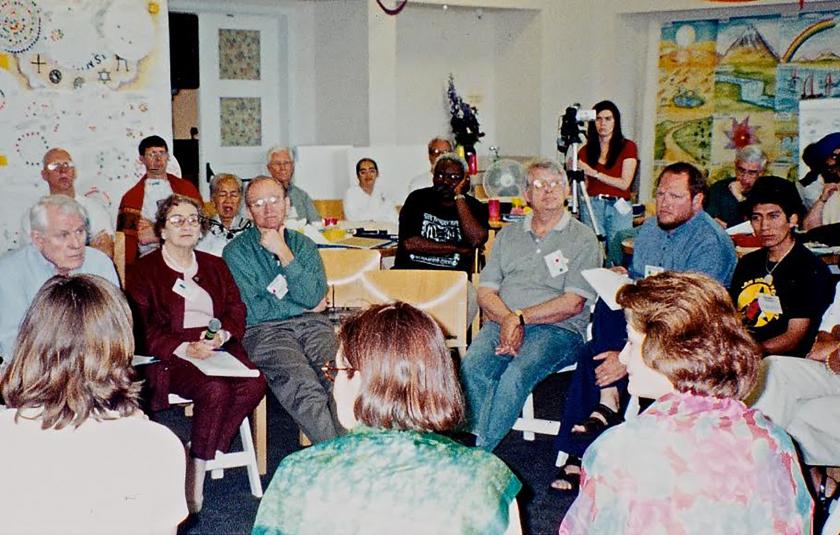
(692, 464)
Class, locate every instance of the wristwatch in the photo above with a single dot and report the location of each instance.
(521, 316)
(459, 196)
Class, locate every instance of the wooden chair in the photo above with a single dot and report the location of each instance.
(344, 269)
(235, 459)
(330, 207)
(442, 294)
(119, 256)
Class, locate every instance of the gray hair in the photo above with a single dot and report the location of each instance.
(256, 180)
(214, 182)
(38, 219)
(439, 138)
(546, 164)
(452, 157)
(281, 148)
(751, 154)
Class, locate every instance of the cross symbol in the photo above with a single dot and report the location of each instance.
(38, 62)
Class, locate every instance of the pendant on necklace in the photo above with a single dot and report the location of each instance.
(768, 279)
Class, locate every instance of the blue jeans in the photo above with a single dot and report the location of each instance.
(496, 386)
(611, 222)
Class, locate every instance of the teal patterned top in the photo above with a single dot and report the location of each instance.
(381, 481)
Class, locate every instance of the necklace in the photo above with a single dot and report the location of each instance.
(769, 277)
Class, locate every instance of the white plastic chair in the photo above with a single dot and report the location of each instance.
(246, 457)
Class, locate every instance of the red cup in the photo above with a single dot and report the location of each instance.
(472, 163)
(494, 207)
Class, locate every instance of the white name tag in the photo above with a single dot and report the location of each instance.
(278, 287)
(180, 288)
(770, 304)
(623, 207)
(653, 270)
(557, 263)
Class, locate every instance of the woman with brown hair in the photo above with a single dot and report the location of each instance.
(77, 453)
(395, 389)
(175, 293)
(697, 460)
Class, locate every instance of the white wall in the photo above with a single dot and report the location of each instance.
(341, 72)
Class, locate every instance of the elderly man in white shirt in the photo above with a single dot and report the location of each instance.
(59, 172)
(366, 202)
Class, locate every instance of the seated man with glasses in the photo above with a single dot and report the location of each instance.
(535, 302)
(724, 195)
(281, 166)
(441, 227)
(59, 172)
(226, 194)
(58, 248)
(139, 205)
(282, 282)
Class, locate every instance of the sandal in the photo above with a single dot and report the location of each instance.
(571, 478)
(594, 425)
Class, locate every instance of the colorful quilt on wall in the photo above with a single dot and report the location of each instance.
(725, 84)
(91, 76)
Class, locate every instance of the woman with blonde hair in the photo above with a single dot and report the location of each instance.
(697, 460)
(77, 453)
(395, 389)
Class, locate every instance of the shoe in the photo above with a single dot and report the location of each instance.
(595, 426)
(563, 475)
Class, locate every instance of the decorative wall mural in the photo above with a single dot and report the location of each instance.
(91, 76)
(727, 84)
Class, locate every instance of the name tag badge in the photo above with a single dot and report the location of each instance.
(279, 287)
(770, 304)
(653, 270)
(557, 263)
(623, 207)
(180, 288)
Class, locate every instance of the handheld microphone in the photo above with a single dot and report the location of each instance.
(213, 326)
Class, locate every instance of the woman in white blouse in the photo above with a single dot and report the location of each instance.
(364, 201)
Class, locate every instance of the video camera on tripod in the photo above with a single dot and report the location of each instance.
(570, 130)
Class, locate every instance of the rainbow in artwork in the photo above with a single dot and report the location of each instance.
(811, 30)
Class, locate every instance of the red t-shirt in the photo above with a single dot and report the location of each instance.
(596, 187)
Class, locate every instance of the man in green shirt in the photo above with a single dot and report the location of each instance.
(282, 282)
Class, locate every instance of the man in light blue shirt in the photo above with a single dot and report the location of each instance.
(281, 165)
(59, 232)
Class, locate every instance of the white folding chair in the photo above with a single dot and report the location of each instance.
(246, 457)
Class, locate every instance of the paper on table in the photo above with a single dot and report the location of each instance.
(606, 284)
(740, 228)
(221, 364)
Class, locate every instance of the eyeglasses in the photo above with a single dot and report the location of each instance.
(437, 152)
(55, 166)
(330, 370)
(228, 194)
(259, 204)
(281, 164)
(449, 176)
(744, 171)
(157, 154)
(542, 185)
(180, 221)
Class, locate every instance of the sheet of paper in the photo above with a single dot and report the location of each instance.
(606, 284)
(140, 360)
(740, 228)
(221, 364)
